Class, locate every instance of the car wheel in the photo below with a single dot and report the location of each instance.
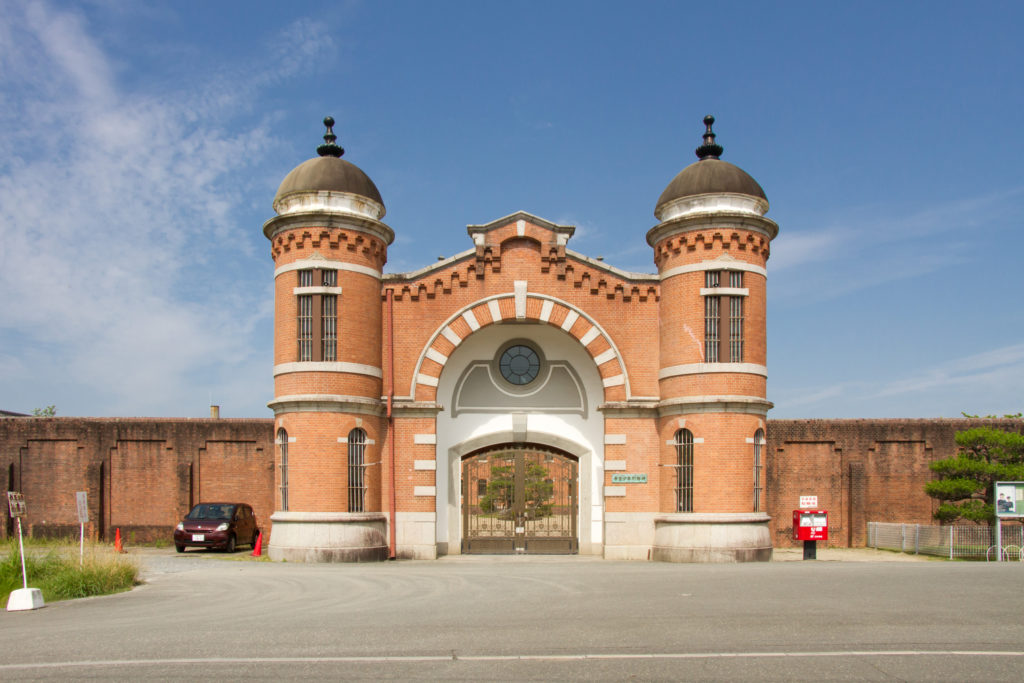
(179, 548)
(230, 547)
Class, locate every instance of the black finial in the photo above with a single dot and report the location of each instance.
(329, 149)
(709, 150)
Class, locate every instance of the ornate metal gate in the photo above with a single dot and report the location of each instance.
(519, 499)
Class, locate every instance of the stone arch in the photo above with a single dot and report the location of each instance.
(520, 307)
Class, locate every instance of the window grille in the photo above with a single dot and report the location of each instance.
(684, 467)
(282, 442)
(711, 329)
(356, 467)
(329, 323)
(305, 327)
(305, 278)
(758, 469)
(330, 278)
(736, 319)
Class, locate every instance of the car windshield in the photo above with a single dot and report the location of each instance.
(211, 511)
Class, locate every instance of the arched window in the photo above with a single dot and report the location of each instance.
(758, 469)
(684, 467)
(282, 443)
(356, 464)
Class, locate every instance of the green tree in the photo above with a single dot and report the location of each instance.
(48, 411)
(964, 485)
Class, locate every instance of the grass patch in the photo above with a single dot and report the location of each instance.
(54, 569)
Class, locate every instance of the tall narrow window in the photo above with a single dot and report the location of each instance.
(723, 316)
(736, 318)
(758, 469)
(317, 314)
(282, 443)
(711, 317)
(356, 466)
(305, 327)
(684, 467)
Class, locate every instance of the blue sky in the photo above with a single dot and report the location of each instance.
(141, 145)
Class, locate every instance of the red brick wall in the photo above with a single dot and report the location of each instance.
(141, 474)
(861, 470)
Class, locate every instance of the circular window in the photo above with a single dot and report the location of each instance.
(519, 364)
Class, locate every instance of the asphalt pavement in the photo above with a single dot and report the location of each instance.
(232, 617)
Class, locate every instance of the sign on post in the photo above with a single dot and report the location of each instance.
(16, 502)
(82, 501)
(1009, 498)
(24, 598)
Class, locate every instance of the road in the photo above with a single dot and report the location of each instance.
(206, 615)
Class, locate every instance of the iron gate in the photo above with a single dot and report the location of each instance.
(519, 499)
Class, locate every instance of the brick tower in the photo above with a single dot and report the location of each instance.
(711, 247)
(328, 246)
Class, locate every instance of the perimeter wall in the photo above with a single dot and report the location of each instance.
(143, 474)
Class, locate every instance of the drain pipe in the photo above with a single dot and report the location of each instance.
(391, 422)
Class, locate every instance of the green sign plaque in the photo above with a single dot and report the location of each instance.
(629, 478)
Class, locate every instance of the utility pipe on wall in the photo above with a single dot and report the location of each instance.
(391, 423)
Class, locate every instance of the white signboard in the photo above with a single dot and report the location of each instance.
(1009, 497)
(17, 503)
(83, 507)
(808, 501)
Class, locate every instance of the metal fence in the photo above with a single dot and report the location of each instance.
(969, 542)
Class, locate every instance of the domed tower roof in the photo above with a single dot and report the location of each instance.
(329, 183)
(708, 177)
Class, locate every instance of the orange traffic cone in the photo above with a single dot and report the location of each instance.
(117, 541)
(257, 549)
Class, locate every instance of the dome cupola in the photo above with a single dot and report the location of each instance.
(327, 183)
(710, 185)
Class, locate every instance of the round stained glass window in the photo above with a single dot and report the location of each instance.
(519, 364)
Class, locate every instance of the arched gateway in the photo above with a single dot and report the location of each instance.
(520, 498)
(519, 396)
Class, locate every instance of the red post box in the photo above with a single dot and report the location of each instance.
(810, 525)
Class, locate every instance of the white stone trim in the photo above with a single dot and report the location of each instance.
(451, 336)
(471, 320)
(298, 291)
(545, 310)
(495, 310)
(426, 379)
(724, 291)
(592, 334)
(325, 403)
(570, 320)
(519, 292)
(614, 439)
(711, 203)
(424, 439)
(424, 490)
(328, 366)
(696, 439)
(328, 201)
(520, 228)
(614, 381)
(369, 442)
(326, 264)
(750, 440)
(437, 356)
(707, 368)
(603, 358)
(614, 465)
(292, 439)
(614, 491)
(424, 465)
(714, 265)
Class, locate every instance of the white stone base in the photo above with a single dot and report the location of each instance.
(328, 537)
(415, 535)
(25, 599)
(628, 535)
(712, 537)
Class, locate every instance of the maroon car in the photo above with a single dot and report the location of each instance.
(217, 525)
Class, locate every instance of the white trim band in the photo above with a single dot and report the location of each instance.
(708, 368)
(424, 439)
(299, 291)
(714, 265)
(328, 366)
(324, 264)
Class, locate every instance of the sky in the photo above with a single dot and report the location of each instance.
(141, 145)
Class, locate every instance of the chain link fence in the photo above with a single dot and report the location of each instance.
(968, 542)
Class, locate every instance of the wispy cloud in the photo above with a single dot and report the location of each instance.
(122, 251)
(984, 382)
(876, 245)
